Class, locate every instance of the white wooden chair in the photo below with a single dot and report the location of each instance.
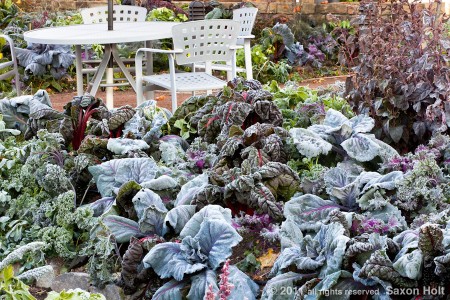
(11, 65)
(246, 16)
(193, 42)
(99, 14)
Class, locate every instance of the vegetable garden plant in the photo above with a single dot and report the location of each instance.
(257, 192)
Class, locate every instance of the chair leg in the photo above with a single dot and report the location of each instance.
(248, 59)
(229, 76)
(139, 81)
(173, 82)
(208, 70)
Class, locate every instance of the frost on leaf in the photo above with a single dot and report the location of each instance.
(309, 143)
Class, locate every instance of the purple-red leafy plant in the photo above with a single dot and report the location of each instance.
(402, 80)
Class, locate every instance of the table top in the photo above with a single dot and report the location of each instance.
(123, 32)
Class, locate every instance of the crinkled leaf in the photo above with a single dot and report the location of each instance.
(430, 239)
(290, 234)
(334, 118)
(39, 110)
(216, 238)
(122, 145)
(379, 265)
(163, 182)
(274, 147)
(273, 288)
(152, 220)
(262, 200)
(145, 198)
(191, 188)
(332, 241)
(231, 146)
(281, 180)
(130, 263)
(309, 143)
(124, 200)
(113, 173)
(268, 112)
(178, 217)
(101, 206)
(122, 228)
(361, 147)
(120, 116)
(244, 287)
(209, 127)
(362, 123)
(211, 194)
(208, 212)
(95, 146)
(171, 290)
(442, 264)
(167, 260)
(254, 159)
(308, 211)
(327, 284)
(233, 113)
(200, 284)
(410, 265)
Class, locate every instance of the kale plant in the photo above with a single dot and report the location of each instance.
(401, 80)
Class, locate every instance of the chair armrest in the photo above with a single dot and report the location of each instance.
(235, 47)
(246, 36)
(159, 50)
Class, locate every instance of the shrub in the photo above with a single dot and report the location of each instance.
(402, 78)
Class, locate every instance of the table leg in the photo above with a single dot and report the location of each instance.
(122, 66)
(92, 90)
(79, 70)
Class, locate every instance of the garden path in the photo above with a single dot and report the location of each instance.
(164, 100)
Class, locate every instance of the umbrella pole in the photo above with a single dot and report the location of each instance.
(110, 70)
(110, 14)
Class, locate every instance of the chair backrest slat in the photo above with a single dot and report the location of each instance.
(121, 13)
(246, 16)
(206, 40)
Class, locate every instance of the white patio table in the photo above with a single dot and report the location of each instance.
(123, 32)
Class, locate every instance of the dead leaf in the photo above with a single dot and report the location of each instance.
(268, 259)
(160, 98)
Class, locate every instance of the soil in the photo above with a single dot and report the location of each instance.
(39, 293)
(128, 96)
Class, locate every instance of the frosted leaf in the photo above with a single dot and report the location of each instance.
(309, 143)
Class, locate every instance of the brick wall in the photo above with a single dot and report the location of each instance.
(60, 5)
(310, 8)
